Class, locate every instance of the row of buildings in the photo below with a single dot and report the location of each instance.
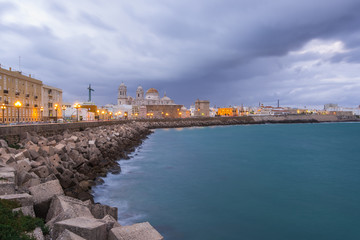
(26, 99)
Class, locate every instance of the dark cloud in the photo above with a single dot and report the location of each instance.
(230, 52)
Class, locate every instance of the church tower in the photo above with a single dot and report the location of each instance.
(139, 93)
(122, 94)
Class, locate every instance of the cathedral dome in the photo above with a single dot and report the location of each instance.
(152, 94)
(152, 90)
(166, 98)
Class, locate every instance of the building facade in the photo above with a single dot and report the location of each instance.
(151, 97)
(202, 108)
(51, 102)
(21, 97)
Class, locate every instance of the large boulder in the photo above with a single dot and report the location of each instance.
(43, 194)
(88, 228)
(24, 199)
(26, 210)
(138, 231)
(63, 207)
(99, 211)
(67, 235)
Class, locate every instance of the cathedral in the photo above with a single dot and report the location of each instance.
(151, 97)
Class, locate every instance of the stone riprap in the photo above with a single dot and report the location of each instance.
(51, 173)
(51, 177)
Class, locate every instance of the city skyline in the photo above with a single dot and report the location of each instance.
(233, 52)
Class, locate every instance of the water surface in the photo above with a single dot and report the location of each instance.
(276, 181)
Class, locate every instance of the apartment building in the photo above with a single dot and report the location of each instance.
(21, 97)
(51, 102)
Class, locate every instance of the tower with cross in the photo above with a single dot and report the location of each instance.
(90, 90)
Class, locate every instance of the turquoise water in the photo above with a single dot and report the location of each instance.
(280, 181)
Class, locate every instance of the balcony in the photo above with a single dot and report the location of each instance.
(35, 105)
(36, 97)
(27, 105)
(17, 94)
(6, 91)
(6, 102)
(27, 95)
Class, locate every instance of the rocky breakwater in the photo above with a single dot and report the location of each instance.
(51, 178)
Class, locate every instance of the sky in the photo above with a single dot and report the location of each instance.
(231, 52)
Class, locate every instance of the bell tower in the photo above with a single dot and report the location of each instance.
(122, 94)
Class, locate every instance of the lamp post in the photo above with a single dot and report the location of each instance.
(63, 108)
(98, 115)
(3, 107)
(77, 106)
(102, 113)
(18, 104)
(56, 110)
(41, 113)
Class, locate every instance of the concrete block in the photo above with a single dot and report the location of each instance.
(60, 147)
(3, 143)
(8, 158)
(110, 222)
(54, 160)
(138, 231)
(42, 171)
(34, 153)
(99, 211)
(88, 228)
(7, 187)
(67, 235)
(63, 207)
(26, 210)
(7, 169)
(24, 199)
(32, 182)
(42, 194)
(23, 165)
(19, 156)
(37, 234)
(8, 176)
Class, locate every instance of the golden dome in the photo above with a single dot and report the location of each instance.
(152, 90)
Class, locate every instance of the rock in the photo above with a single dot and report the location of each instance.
(54, 160)
(23, 177)
(26, 210)
(7, 169)
(3, 143)
(8, 158)
(63, 207)
(33, 153)
(67, 235)
(88, 228)
(42, 171)
(23, 165)
(24, 199)
(47, 151)
(99, 211)
(59, 148)
(7, 176)
(42, 194)
(37, 234)
(7, 187)
(51, 177)
(19, 156)
(138, 231)
(110, 222)
(32, 182)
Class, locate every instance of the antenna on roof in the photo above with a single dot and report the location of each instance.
(19, 63)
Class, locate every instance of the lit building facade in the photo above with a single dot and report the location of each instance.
(51, 102)
(16, 87)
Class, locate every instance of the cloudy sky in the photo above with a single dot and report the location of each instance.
(232, 52)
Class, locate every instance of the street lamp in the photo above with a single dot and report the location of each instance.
(18, 104)
(41, 113)
(77, 106)
(102, 113)
(3, 107)
(63, 108)
(98, 115)
(56, 110)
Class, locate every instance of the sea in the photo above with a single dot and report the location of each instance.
(245, 182)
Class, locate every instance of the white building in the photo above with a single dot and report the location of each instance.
(151, 97)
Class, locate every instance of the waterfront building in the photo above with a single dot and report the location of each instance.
(51, 101)
(151, 97)
(202, 108)
(229, 111)
(25, 90)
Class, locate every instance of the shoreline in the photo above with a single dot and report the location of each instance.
(68, 163)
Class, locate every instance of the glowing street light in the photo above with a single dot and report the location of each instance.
(18, 104)
(3, 107)
(77, 106)
(56, 110)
